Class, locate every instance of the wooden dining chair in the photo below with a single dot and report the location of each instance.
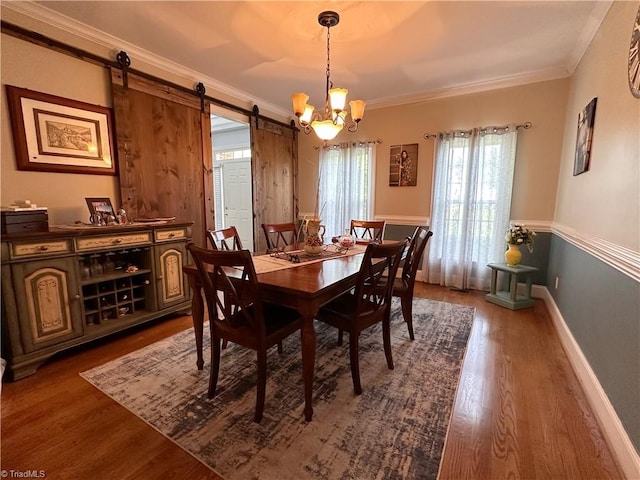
(403, 286)
(367, 230)
(219, 239)
(280, 235)
(238, 314)
(367, 304)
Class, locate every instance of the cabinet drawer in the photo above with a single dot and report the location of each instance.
(173, 234)
(94, 243)
(30, 249)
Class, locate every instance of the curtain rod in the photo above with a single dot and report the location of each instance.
(44, 41)
(525, 125)
(377, 141)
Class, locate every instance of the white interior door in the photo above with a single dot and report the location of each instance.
(233, 184)
(238, 204)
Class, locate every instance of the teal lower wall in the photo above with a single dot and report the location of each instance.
(601, 307)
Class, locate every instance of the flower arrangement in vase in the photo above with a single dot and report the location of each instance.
(517, 235)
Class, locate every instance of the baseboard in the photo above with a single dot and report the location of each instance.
(614, 432)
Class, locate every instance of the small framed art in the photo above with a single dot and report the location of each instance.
(403, 165)
(586, 120)
(100, 209)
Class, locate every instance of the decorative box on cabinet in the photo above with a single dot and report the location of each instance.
(71, 286)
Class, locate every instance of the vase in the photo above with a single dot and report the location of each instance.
(346, 241)
(313, 236)
(513, 255)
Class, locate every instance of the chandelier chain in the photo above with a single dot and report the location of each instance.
(326, 100)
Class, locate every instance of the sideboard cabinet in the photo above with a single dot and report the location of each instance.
(73, 284)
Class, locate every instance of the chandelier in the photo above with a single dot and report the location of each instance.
(331, 122)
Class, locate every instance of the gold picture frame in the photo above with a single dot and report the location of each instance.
(55, 134)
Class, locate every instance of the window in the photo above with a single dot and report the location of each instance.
(346, 185)
(471, 205)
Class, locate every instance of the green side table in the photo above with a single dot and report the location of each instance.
(510, 298)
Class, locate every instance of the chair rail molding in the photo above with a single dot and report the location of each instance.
(621, 258)
(403, 220)
(535, 225)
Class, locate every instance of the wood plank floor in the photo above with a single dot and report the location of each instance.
(519, 413)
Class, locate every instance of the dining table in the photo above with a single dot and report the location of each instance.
(293, 280)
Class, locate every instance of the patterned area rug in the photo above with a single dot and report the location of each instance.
(394, 430)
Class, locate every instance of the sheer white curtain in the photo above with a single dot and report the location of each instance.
(471, 205)
(346, 185)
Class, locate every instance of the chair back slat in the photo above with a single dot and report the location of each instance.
(374, 284)
(230, 286)
(414, 253)
(280, 235)
(367, 230)
(225, 239)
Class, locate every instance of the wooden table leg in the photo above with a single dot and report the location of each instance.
(308, 340)
(197, 313)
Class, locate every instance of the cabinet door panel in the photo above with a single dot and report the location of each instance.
(171, 284)
(48, 302)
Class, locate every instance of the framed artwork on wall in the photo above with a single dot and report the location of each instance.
(586, 120)
(403, 165)
(55, 134)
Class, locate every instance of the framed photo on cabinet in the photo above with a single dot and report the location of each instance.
(55, 134)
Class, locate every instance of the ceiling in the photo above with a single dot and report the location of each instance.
(384, 52)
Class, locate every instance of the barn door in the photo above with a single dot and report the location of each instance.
(274, 166)
(164, 152)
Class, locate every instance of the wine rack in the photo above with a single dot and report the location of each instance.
(116, 284)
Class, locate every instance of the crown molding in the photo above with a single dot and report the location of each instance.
(115, 44)
(478, 87)
(589, 31)
(621, 258)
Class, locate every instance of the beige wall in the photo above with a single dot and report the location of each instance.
(604, 201)
(29, 66)
(537, 159)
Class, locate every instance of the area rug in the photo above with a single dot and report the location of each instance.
(394, 430)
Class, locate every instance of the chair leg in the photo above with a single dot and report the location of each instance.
(386, 338)
(262, 385)
(340, 334)
(407, 308)
(215, 367)
(224, 343)
(355, 362)
(279, 347)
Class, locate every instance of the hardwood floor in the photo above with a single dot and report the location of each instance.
(519, 413)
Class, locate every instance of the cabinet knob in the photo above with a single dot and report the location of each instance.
(117, 240)
(147, 282)
(171, 235)
(77, 296)
(44, 248)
